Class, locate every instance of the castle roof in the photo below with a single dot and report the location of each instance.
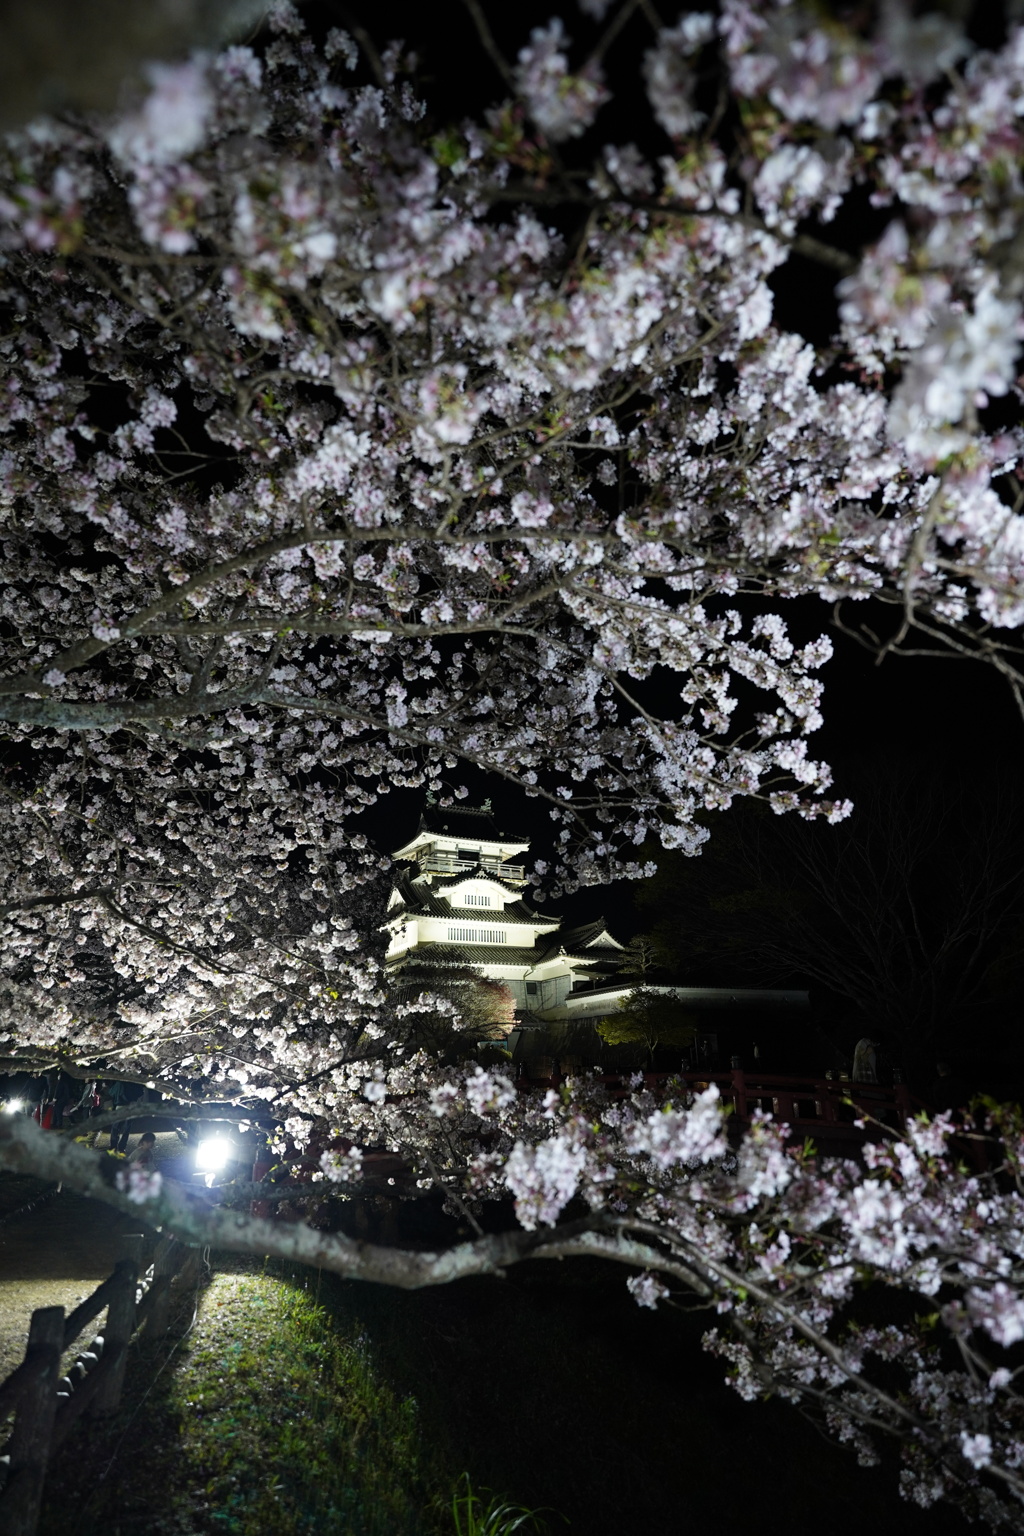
(478, 872)
(514, 912)
(474, 954)
(581, 943)
(586, 940)
(475, 823)
(420, 900)
(459, 817)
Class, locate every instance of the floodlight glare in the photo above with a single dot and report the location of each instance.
(213, 1155)
(14, 1106)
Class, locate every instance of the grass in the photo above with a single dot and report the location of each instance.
(472, 1517)
(271, 1387)
(269, 1421)
(300, 1405)
(553, 1388)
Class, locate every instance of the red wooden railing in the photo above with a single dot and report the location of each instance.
(817, 1107)
(836, 1115)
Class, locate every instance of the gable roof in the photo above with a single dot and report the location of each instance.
(410, 898)
(589, 936)
(479, 872)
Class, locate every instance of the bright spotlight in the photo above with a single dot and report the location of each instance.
(14, 1106)
(213, 1156)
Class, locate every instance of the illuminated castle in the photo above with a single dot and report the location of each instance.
(461, 900)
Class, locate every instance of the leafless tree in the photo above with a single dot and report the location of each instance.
(911, 910)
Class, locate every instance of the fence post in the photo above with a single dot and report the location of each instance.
(33, 1424)
(739, 1089)
(260, 1168)
(120, 1323)
(165, 1263)
(901, 1093)
(784, 1106)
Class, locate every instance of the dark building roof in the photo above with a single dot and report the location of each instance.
(473, 954)
(581, 941)
(514, 912)
(471, 822)
(414, 900)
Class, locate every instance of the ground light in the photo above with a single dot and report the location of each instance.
(213, 1156)
(14, 1106)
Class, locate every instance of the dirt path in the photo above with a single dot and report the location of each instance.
(52, 1256)
(54, 1253)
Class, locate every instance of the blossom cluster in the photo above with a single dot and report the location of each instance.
(782, 1241)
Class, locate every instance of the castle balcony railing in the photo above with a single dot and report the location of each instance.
(448, 864)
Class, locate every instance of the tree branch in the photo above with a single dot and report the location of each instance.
(24, 1148)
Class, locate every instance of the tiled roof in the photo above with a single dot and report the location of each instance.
(529, 912)
(416, 901)
(479, 954)
(579, 943)
(515, 912)
(421, 902)
(465, 821)
(548, 947)
(582, 938)
(475, 874)
(403, 888)
(551, 944)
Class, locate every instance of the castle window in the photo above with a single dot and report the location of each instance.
(477, 901)
(476, 935)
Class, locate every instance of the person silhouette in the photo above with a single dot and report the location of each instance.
(865, 1062)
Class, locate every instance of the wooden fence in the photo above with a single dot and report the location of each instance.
(47, 1405)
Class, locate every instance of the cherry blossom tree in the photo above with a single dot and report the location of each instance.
(775, 1244)
(330, 463)
(346, 440)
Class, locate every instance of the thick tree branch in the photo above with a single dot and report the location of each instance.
(24, 1148)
